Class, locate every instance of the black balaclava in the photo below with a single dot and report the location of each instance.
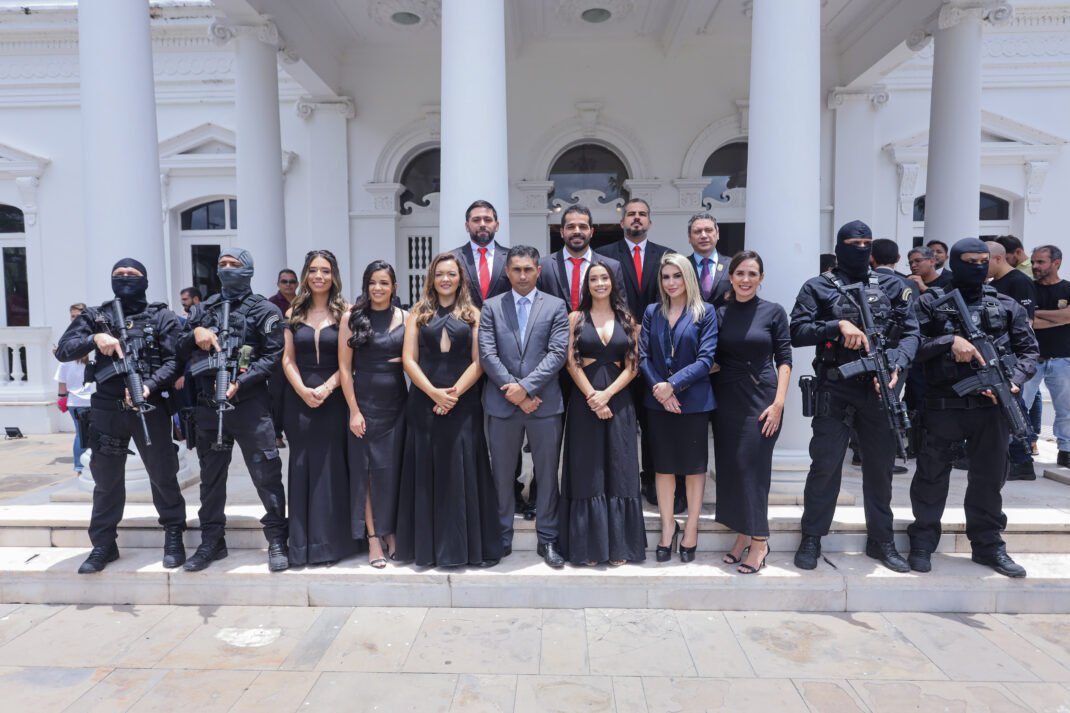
(130, 289)
(853, 260)
(236, 280)
(966, 277)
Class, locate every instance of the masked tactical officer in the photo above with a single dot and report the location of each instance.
(152, 332)
(825, 318)
(947, 358)
(257, 348)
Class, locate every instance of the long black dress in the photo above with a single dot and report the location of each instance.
(318, 482)
(600, 503)
(375, 459)
(447, 503)
(752, 343)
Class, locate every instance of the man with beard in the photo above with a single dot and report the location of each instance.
(824, 317)
(483, 258)
(256, 323)
(562, 273)
(1052, 325)
(939, 248)
(639, 259)
(711, 267)
(153, 330)
(948, 357)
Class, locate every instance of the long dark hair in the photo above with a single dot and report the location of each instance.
(738, 260)
(463, 309)
(620, 313)
(360, 316)
(336, 304)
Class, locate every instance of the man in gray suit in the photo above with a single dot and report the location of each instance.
(523, 338)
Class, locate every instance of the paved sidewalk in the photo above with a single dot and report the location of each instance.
(268, 659)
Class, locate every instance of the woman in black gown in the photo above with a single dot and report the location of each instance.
(369, 352)
(754, 356)
(447, 504)
(601, 510)
(314, 418)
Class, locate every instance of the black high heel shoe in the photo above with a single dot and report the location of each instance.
(687, 554)
(746, 568)
(664, 554)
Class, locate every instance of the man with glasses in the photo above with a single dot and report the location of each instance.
(923, 270)
(287, 285)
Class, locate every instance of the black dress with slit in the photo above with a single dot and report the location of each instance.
(318, 478)
(447, 503)
(601, 508)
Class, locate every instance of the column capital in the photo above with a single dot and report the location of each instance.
(642, 188)
(533, 196)
(1035, 173)
(384, 197)
(306, 106)
(27, 187)
(908, 173)
(222, 31)
(955, 12)
(877, 96)
(690, 191)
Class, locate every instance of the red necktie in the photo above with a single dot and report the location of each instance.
(484, 273)
(638, 260)
(576, 262)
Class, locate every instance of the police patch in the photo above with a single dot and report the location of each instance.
(1062, 304)
(270, 322)
(905, 296)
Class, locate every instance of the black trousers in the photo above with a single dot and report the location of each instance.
(250, 424)
(985, 431)
(276, 385)
(111, 432)
(842, 407)
(646, 464)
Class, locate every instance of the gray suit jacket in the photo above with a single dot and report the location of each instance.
(535, 366)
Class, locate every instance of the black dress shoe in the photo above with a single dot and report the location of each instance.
(920, 560)
(174, 552)
(548, 551)
(488, 563)
(1001, 562)
(206, 554)
(278, 556)
(1021, 471)
(808, 552)
(98, 559)
(856, 459)
(886, 553)
(507, 550)
(899, 469)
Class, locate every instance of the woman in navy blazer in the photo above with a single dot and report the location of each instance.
(676, 351)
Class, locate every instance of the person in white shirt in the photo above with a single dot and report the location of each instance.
(74, 395)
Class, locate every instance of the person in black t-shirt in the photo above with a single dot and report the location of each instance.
(1052, 324)
(923, 270)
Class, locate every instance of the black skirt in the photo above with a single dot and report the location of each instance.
(679, 441)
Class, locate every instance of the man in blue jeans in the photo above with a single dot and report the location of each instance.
(1052, 326)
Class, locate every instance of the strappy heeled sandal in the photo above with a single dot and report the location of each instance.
(746, 568)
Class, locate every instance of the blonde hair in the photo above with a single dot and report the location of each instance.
(694, 295)
(463, 309)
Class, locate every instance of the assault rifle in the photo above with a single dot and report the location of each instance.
(876, 361)
(225, 365)
(995, 375)
(128, 368)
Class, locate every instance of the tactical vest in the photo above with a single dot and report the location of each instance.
(141, 331)
(988, 314)
(884, 318)
(239, 324)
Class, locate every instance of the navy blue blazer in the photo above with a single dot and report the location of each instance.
(695, 347)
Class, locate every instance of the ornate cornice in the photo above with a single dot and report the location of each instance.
(306, 106)
(955, 12)
(877, 96)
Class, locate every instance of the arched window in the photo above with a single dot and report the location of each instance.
(588, 167)
(991, 208)
(206, 230)
(214, 215)
(421, 177)
(11, 220)
(727, 167)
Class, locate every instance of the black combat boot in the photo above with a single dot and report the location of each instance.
(278, 556)
(174, 552)
(99, 558)
(808, 552)
(206, 554)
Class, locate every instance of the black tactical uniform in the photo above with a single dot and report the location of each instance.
(843, 405)
(154, 331)
(949, 419)
(257, 322)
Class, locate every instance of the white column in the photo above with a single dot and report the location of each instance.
(120, 147)
(261, 217)
(856, 139)
(475, 146)
(783, 172)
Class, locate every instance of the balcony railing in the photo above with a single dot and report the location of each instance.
(26, 364)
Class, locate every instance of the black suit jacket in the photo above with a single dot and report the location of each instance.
(721, 284)
(621, 251)
(499, 280)
(554, 276)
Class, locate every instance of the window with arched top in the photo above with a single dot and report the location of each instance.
(11, 220)
(220, 214)
(588, 167)
(421, 177)
(206, 229)
(15, 278)
(990, 208)
(726, 168)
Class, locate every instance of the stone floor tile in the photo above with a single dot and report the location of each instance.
(713, 644)
(564, 642)
(276, 692)
(730, 695)
(959, 651)
(1015, 646)
(122, 688)
(317, 639)
(830, 697)
(200, 691)
(388, 692)
(257, 638)
(477, 641)
(16, 619)
(628, 694)
(373, 640)
(564, 694)
(151, 646)
(1042, 697)
(937, 697)
(484, 694)
(1048, 632)
(804, 645)
(636, 642)
(104, 632)
(45, 688)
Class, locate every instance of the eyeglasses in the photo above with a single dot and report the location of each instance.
(287, 282)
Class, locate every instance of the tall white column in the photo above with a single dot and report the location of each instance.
(783, 173)
(261, 217)
(475, 147)
(120, 147)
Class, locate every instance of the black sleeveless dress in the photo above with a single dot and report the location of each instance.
(600, 504)
(318, 480)
(447, 503)
(375, 459)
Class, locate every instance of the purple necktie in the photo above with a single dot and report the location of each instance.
(706, 278)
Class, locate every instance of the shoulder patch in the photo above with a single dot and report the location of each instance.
(270, 322)
(905, 295)
(1062, 304)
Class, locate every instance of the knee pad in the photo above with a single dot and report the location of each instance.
(109, 445)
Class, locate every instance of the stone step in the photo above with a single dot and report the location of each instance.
(846, 582)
